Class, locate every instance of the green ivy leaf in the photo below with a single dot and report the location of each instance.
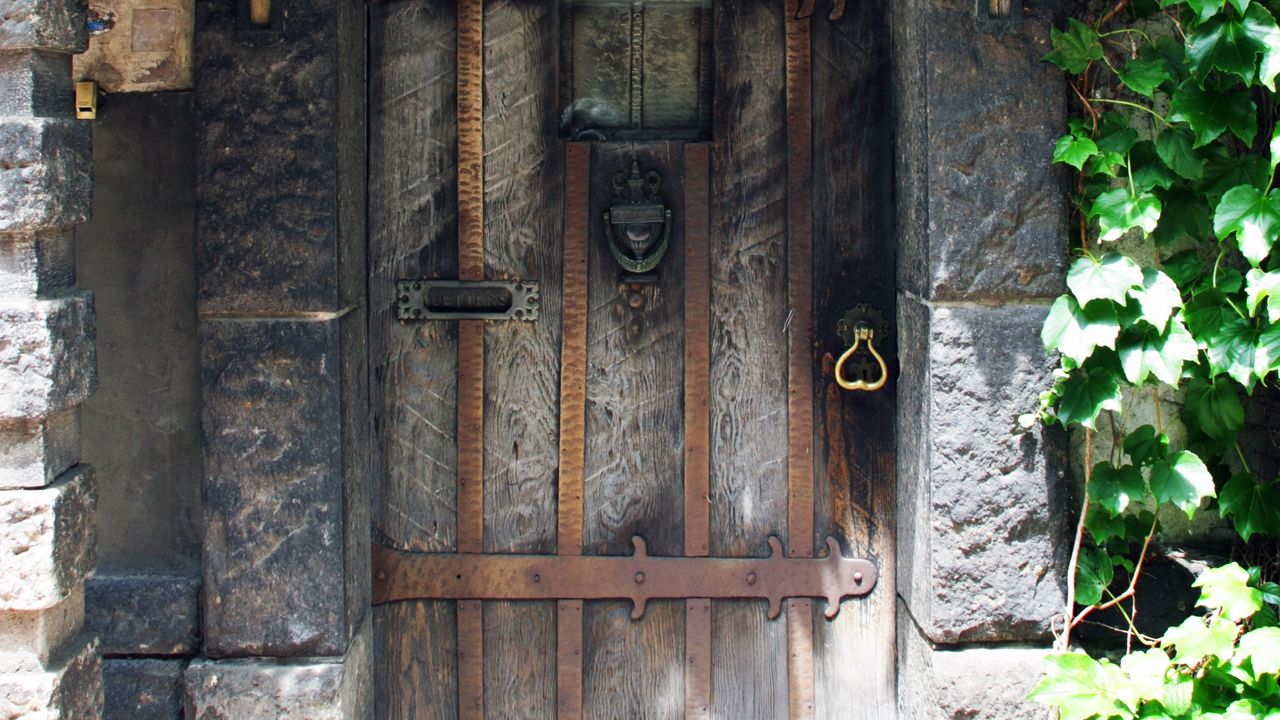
(1225, 171)
(1110, 277)
(1184, 268)
(1211, 113)
(1233, 349)
(1144, 445)
(1148, 170)
(1158, 354)
(1267, 357)
(1145, 672)
(1227, 589)
(1079, 686)
(1115, 134)
(1230, 44)
(1215, 407)
(1270, 592)
(1254, 507)
(1182, 480)
(1178, 694)
(1085, 394)
(1263, 287)
(1094, 573)
(1103, 526)
(1075, 47)
(1114, 488)
(1204, 9)
(1262, 649)
(1158, 298)
(1253, 217)
(1175, 146)
(1118, 211)
(1144, 75)
(1075, 331)
(1196, 640)
(1074, 150)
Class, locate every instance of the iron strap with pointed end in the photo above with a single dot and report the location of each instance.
(400, 575)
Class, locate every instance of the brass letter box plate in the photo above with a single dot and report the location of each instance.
(467, 300)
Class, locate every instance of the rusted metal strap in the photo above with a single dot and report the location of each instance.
(573, 408)
(402, 575)
(470, 432)
(697, 420)
(800, 362)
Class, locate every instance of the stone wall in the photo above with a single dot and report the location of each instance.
(982, 536)
(49, 665)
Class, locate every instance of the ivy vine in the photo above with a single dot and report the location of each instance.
(1174, 298)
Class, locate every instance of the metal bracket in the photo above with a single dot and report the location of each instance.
(400, 575)
(467, 300)
(998, 16)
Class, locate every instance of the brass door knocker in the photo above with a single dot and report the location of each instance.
(639, 223)
(860, 325)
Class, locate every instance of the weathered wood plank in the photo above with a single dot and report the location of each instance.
(523, 211)
(635, 381)
(854, 446)
(413, 233)
(748, 345)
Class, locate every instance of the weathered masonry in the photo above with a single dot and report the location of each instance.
(493, 359)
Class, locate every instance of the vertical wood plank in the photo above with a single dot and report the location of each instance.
(413, 233)
(573, 429)
(634, 456)
(799, 351)
(697, 418)
(748, 347)
(523, 208)
(854, 444)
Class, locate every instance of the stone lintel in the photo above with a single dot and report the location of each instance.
(965, 683)
(70, 689)
(47, 356)
(147, 48)
(144, 613)
(56, 25)
(46, 176)
(286, 529)
(982, 212)
(142, 688)
(33, 453)
(47, 541)
(982, 512)
(271, 689)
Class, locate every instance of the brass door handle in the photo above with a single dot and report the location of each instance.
(862, 331)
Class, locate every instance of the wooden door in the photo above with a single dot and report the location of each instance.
(699, 412)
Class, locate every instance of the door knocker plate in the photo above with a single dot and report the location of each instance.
(638, 224)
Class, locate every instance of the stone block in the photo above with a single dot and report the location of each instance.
(142, 689)
(275, 583)
(56, 25)
(280, 170)
(939, 683)
(983, 512)
(33, 453)
(47, 355)
(45, 173)
(47, 544)
(29, 640)
(264, 689)
(983, 214)
(69, 690)
(36, 84)
(36, 264)
(144, 613)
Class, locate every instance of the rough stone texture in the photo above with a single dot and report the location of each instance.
(982, 536)
(144, 614)
(71, 689)
(275, 579)
(46, 355)
(30, 640)
(47, 545)
(45, 173)
(965, 684)
(142, 426)
(43, 24)
(36, 264)
(147, 49)
(981, 210)
(280, 178)
(282, 690)
(37, 84)
(33, 453)
(142, 689)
